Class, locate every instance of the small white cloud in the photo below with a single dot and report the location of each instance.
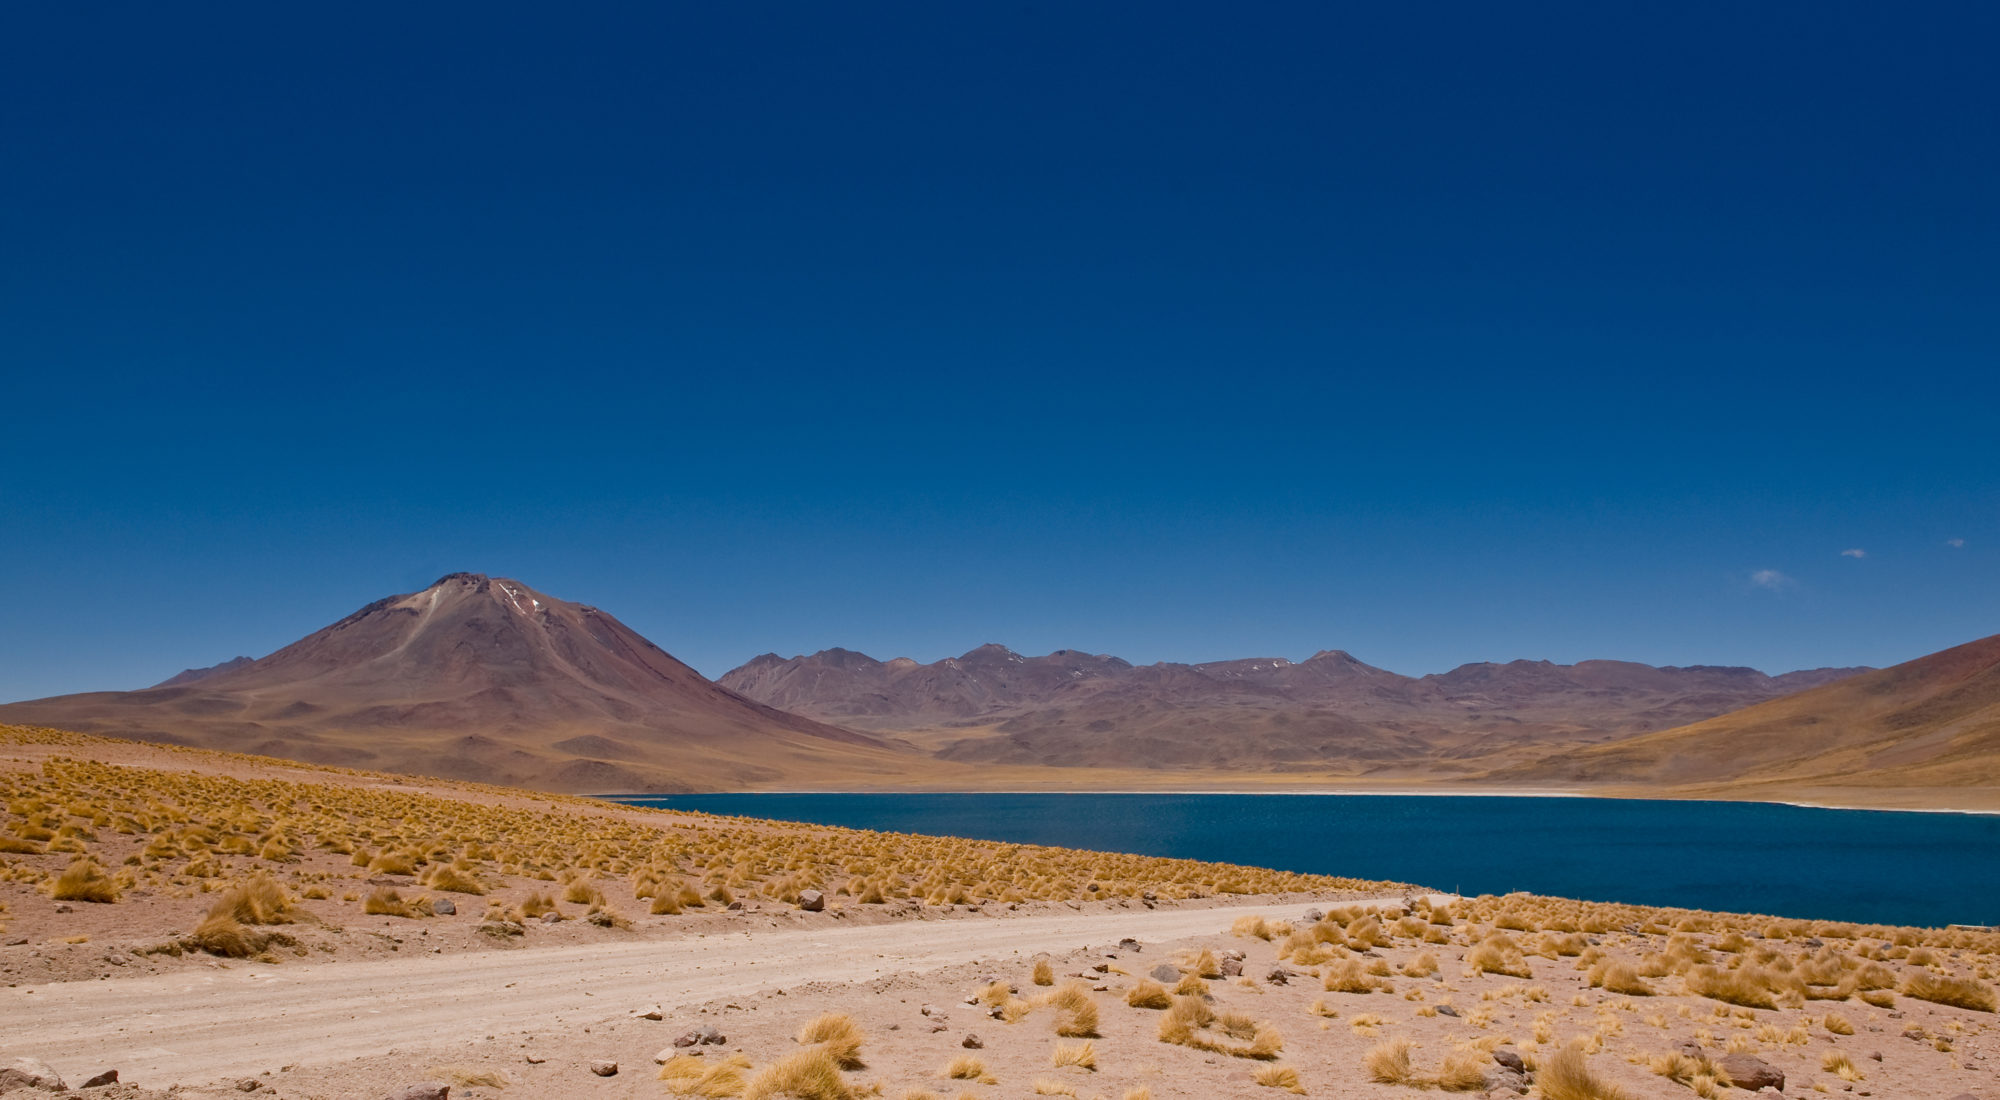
(1955, 544)
(1856, 552)
(1771, 579)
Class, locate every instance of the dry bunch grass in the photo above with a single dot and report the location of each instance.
(838, 1035)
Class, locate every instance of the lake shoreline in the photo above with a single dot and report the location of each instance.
(1342, 792)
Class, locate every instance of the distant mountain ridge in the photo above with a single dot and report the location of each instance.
(1931, 723)
(480, 678)
(1078, 708)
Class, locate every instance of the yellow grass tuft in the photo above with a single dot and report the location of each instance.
(1044, 973)
(1279, 1077)
(809, 1074)
(386, 901)
(967, 1068)
(1565, 1075)
(720, 1081)
(1956, 992)
(1082, 1055)
(84, 880)
(258, 901)
(838, 1035)
(1045, 1086)
(1149, 994)
(1840, 1065)
(1392, 1063)
(1076, 1011)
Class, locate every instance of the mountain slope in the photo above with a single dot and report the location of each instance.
(480, 678)
(1929, 723)
(1330, 712)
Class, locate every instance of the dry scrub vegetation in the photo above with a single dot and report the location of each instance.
(318, 854)
(1592, 1001)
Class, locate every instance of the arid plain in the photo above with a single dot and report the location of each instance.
(216, 924)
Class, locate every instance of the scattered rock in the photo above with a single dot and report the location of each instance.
(649, 1012)
(551, 917)
(1166, 972)
(602, 919)
(64, 909)
(1507, 1080)
(249, 1084)
(425, 1090)
(1129, 944)
(1750, 1073)
(108, 1077)
(1232, 967)
(926, 1010)
(502, 928)
(1313, 916)
(971, 1042)
(1508, 1059)
(734, 906)
(27, 1073)
(1148, 895)
(604, 1069)
(712, 1037)
(1279, 976)
(812, 901)
(1447, 1010)
(444, 907)
(536, 1059)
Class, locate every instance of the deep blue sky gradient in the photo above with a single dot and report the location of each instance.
(1436, 333)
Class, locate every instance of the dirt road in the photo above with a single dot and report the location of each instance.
(195, 1026)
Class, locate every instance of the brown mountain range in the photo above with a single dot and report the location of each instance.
(1918, 734)
(486, 679)
(1069, 708)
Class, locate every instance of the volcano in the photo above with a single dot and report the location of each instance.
(481, 678)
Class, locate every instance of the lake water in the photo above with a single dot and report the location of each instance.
(1858, 865)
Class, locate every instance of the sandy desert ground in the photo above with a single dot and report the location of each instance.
(1074, 973)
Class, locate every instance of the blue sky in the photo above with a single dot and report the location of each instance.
(1436, 333)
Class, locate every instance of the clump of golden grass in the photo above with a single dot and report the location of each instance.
(838, 1035)
(1045, 1086)
(809, 1074)
(1082, 1055)
(965, 1067)
(1840, 1065)
(1620, 978)
(1076, 1011)
(1185, 1022)
(687, 1075)
(260, 900)
(387, 901)
(1149, 994)
(1748, 986)
(1391, 1063)
(1279, 1077)
(84, 880)
(1423, 965)
(1837, 1024)
(1957, 992)
(1498, 954)
(1044, 973)
(1349, 976)
(444, 876)
(1565, 1075)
